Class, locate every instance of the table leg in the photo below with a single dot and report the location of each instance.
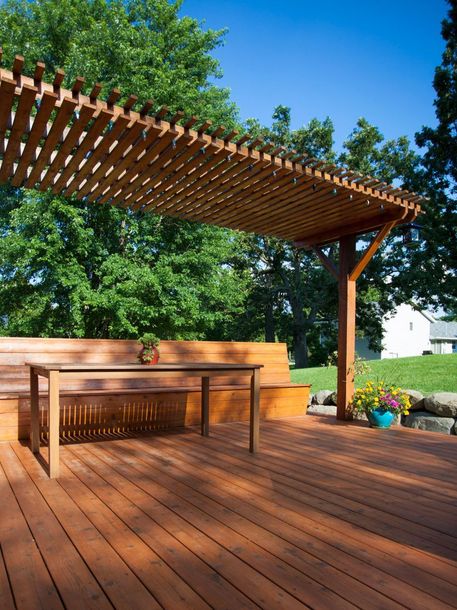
(54, 421)
(205, 406)
(34, 412)
(254, 412)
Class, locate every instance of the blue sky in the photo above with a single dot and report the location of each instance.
(341, 59)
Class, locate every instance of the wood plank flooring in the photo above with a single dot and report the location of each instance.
(328, 515)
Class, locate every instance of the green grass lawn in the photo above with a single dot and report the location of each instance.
(426, 374)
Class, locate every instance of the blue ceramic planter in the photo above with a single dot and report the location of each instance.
(380, 418)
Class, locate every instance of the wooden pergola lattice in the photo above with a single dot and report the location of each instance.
(103, 153)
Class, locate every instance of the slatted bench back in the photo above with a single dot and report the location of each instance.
(15, 351)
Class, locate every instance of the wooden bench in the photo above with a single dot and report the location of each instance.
(94, 406)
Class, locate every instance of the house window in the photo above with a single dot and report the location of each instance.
(410, 326)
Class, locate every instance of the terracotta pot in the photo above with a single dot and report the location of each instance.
(155, 357)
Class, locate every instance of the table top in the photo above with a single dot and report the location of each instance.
(183, 366)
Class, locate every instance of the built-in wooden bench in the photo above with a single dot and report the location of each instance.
(103, 406)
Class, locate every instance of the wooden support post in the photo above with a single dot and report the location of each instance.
(254, 412)
(34, 412)
(53, 424)
(205, 407)
(346, 325)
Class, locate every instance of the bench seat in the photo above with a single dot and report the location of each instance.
(101, 406)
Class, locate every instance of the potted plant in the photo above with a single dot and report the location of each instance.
(380, 402)
(149, 353)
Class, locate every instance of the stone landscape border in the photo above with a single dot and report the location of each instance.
(436, 412)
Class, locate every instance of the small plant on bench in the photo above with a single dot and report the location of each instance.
(149, 353)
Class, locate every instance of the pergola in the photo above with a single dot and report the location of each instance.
(103, 153)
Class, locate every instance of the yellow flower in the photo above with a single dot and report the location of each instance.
(406, 412)
(359, 402)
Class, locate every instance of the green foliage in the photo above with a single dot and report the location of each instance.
(303, 295)
(149, 340)
(90, 271)
(139, 46)
(150, 349)
(366, 151)
(70, 269)
(439, 180)
(361, 366)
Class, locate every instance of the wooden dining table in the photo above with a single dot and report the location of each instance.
(54, 373)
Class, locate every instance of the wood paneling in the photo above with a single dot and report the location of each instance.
(93, 406)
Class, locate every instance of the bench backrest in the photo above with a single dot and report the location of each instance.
(15, 351)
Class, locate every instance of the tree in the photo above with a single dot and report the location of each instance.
(71, 269)
(308, 291)
(395, 273)
(439, 180)
(295, 290)
(139, 46)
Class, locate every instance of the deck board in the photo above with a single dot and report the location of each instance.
(327, 515)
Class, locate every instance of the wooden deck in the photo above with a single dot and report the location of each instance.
(327, 515)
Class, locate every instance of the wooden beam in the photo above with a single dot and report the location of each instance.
(327, 262)
(346, 325)
(372, 223)
(371, 250)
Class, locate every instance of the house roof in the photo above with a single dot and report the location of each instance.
(105, 153)
(427, 315)
(443, 330)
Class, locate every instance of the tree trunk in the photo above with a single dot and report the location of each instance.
(300, 347)
(270, 326)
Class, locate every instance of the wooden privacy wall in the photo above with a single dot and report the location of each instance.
(113, 406)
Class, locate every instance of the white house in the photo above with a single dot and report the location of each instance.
(443, 337)
(410, 332)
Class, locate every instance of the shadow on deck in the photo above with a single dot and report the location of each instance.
(327, 515)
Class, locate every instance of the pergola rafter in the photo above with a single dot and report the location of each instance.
(103, 153)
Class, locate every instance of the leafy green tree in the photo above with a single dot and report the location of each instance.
(439, 180)
(295, 291)
(71, 269)
(139, 46)
(309, 293)
(91, 271)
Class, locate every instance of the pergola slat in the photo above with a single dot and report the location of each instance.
(132, 190)
(100, 153)
(64, 114)
(107, 154)
(88, 143)
(147, 164)
(47, 105)
(115, 162)
(7, 89)
(70, 141)
(20, 125)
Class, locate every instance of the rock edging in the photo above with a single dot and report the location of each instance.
(436, 412)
